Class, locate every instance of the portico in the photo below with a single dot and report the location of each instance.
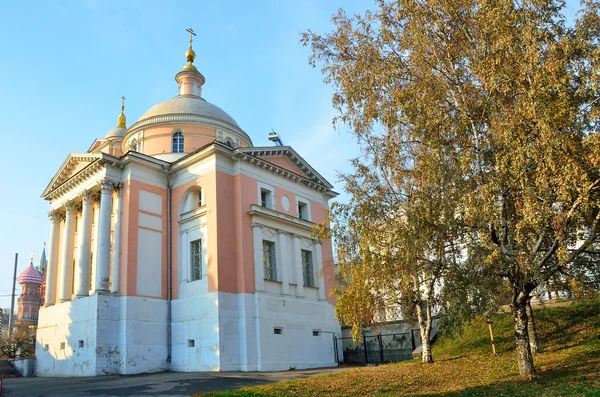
(82, 249)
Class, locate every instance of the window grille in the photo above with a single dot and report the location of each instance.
(269, 260)
(178, 142)
(196, 260)
(307, 269)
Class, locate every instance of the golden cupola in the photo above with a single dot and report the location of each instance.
(190, 80)
(119, 131)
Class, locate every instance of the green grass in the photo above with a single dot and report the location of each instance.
(569, 364)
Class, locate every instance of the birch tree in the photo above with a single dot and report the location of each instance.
(513, 86)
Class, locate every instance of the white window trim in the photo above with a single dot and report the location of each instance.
(277, 259)
(191, 270)
(306, 202)
(271, 189)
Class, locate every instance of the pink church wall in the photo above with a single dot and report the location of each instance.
(129, 265)
(279, 193)
(159, 140)
(319, 216)
(126, 225)
(245, 194)
(205, 182)
(226, 235)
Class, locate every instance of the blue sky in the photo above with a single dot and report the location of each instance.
(65, 64)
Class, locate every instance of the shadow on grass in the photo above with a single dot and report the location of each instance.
(571, 375)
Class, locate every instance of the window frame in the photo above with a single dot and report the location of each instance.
(193, 243)
(270, 275)
(308, 278)
(270, 192)
(177, 142)
(305, 204)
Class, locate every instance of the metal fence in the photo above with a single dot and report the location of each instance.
(380, 348)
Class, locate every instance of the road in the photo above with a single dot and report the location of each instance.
(172, 384)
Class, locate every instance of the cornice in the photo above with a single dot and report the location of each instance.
(258, 212)
(82, 175)
(178, 118)
(290, 154)
(258, 162)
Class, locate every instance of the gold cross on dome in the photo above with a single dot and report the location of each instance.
(191, 31)
(122, 103)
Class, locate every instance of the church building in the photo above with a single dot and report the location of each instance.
(176, 244)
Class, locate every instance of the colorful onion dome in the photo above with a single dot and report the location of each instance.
(30, 276)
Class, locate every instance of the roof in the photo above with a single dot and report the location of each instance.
(189, 104)
(30, 276)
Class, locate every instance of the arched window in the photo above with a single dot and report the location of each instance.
(178, 142)
(192, 200)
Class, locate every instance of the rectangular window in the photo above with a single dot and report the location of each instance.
(62, 345)
(196, 260)
(302, 211)
(80, 343)
(315, 332)
(277, 331)
(191, 343)
(265, 198)
(200, 199)
(307, 269)
(269, 260)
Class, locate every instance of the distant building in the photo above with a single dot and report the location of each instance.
(30, 300)
(4, 319)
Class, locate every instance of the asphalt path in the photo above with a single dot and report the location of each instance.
(170, 384)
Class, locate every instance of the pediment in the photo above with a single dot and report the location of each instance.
(285, 157)
(74, 163)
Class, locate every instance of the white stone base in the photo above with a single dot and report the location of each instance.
(105, 334)
(102, 334)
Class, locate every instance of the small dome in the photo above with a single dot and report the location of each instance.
(116, 133)
(30, 276)
(192, 105)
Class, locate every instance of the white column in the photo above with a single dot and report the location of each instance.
(66, 266)
(283, 261)
(318, 261)
(84, 237)
(297, 265)
(116, 252)
(51, 270)
(94, 237)
(259, 270)
(103, 250)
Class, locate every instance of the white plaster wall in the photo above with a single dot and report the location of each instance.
(149, 253)
(149, 261)
(67, 323)
(296, 347)
(121, 335)
(195, 317)
(142, 335)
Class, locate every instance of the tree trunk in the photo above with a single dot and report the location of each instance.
(532, 333)
(425, 331)
(519, 311)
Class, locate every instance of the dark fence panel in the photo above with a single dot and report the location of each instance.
(380, 348)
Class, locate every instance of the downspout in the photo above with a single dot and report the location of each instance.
(169, 346)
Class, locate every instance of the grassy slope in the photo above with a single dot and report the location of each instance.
(568, 365)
